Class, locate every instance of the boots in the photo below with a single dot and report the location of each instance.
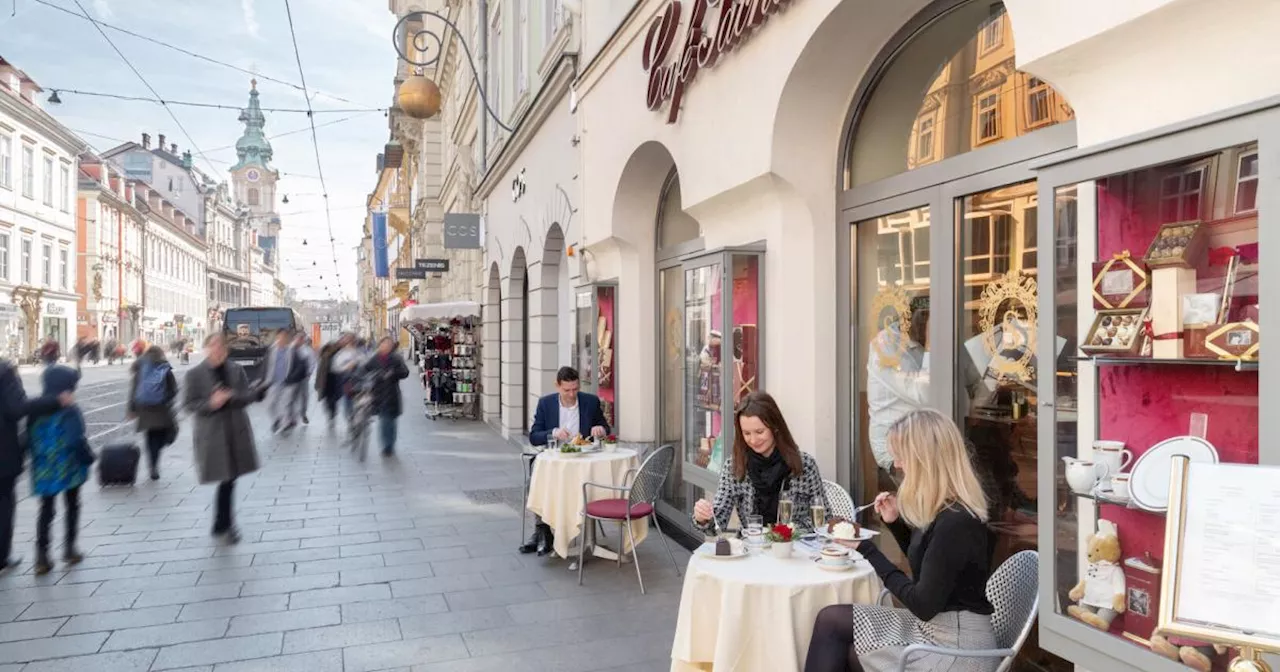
(535, 540)
(547, 542)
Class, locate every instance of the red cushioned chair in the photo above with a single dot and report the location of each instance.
(640, 489)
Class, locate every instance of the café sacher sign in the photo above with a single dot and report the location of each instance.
(733, 22)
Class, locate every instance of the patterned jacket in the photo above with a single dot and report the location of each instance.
(741, 495)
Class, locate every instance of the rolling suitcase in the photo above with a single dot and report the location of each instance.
(118, 464)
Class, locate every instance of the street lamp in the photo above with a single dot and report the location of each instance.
(419, 96)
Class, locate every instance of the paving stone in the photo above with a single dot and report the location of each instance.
(208, 564)
(114, 620)
(338, 564)
(146, 583)
(398, 608)
(414, 627)
(300, 533)
(76, 607)
(12, 632)
(343, 595)
(218, 651)
(156, 598)
(438, 584)
(386, 655)
(301, 556)
(339, 540)
(246, 574)
(44, 593)
(165, 635)
(294, 619)
(493, 597)
(292, 584)
(108, 573)
(341, 636)
(234, 607)
(51, 647)
(357, 577)
(424, 556)
(358, 549)
(116, 661)
(320, 661)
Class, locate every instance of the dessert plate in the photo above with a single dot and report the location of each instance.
(1149, 482)
(709, 551)
(863, 535)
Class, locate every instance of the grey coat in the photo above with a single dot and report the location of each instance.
(223, 439)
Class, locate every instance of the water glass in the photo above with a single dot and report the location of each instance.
(755, 524)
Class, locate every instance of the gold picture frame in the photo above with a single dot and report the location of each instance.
(1172, 618)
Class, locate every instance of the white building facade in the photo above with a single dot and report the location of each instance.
(227, 236)
(177, 273)
(38, 168)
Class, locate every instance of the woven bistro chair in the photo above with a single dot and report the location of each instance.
(839, 503)
(639, 491)
(1013, 592)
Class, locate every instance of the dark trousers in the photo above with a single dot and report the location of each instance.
(387, 430)
(222, 506)
(155, 443)
(7, 505)
(48, 507)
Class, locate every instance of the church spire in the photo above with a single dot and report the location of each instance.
(252, 148)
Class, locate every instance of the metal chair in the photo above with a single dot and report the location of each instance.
(527, 455)
(1013, 591)
(839, 503)
(639, 491)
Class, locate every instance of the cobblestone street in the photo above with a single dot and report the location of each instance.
(406, 563)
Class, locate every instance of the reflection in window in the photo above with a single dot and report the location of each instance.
(1247, 183)
(933, 103)
(1180, 194)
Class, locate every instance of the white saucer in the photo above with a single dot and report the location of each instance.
(836, 568)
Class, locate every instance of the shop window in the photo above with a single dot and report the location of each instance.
(988, 128)
(959, 71)
(1192, 381)
(1247, 183)
(1180, 193)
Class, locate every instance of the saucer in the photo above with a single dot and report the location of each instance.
(833, 567)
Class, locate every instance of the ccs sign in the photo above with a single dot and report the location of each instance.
(462, 232)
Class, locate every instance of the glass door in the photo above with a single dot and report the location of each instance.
(703, 357)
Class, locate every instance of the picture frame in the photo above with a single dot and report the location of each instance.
(1208, 590)
(1238, 341)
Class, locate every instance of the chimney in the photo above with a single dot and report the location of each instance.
(146, 141)
(160, 141)
(173, 148)
(186, 160)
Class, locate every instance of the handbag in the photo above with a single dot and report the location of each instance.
(85, 454)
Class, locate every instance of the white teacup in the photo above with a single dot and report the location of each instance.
(1112, 455)
(1120, 486)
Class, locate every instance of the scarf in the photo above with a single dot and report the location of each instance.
(767, 475)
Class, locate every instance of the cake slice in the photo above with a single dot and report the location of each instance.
(723, 547)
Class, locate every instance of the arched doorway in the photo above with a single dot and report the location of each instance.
(549, 315)
(492, 348)
(515, 348)
(939, 212)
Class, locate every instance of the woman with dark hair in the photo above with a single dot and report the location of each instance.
(765, 461)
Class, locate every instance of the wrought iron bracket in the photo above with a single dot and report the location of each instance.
(431, 44)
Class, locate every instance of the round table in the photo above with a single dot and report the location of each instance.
(555, 490)
(757, 612)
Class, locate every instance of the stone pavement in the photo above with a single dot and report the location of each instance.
(400, 564)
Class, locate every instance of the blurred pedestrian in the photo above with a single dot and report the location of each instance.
(282, 370)
(152, 391)
(328, 380)
(50, 351)
(347, 363)
(307, 358)
(216, 393)
(14, 406)
(386, 369)
(60, 459)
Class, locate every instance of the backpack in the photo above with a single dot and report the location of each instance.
(151, 384)
(299, 370)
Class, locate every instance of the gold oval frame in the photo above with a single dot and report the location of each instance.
(1021, 290)
(892, 297)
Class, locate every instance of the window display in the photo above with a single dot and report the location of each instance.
(594, 345)
(1172, 371)
(704, 331)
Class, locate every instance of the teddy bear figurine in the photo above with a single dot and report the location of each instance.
(1194, 654)
(1100, 595)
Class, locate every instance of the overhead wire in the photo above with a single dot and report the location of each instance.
(146, 83)
(187, 52)
(212, 106)
(315, 144)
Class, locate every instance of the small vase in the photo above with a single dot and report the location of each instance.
(781, 549)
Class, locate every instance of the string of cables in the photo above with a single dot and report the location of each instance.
(315, 144)
(215, 106)
(187, 52)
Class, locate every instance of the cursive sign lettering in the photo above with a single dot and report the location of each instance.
(701, 49)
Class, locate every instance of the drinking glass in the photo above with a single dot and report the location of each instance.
(785, 508)
(755, 524)
(553, 443)
(818, 512)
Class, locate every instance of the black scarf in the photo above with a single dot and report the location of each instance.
(767, 475)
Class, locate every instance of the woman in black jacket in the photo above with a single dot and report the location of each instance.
(156, 420)
(14, 406)
(385, 369)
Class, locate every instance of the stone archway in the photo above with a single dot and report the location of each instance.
(515, 346)
(545, 317)
(491, 343)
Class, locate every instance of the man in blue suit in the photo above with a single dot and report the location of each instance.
(563, 415)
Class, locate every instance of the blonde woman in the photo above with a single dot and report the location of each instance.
(939, 519)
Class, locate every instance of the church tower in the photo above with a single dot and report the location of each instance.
(253, 178)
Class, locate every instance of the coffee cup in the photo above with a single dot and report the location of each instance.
(1112, 455)
(1120, 486)
(834, 555)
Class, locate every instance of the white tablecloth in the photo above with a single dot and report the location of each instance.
(555, 491)
(757, 613)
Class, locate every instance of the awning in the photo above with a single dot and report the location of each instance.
(430, 312)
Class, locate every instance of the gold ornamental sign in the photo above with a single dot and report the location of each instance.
(1010, 304)
(891, 304)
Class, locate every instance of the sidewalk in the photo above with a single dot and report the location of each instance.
(400, 564)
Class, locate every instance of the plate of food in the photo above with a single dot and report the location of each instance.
(723, 549)
(845, 531)
(578, 446)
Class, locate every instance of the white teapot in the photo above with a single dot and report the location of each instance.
(1083, 475)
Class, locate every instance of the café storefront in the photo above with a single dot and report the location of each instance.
(954, 204)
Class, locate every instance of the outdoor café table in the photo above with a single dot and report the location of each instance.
(555, 490)
(757, 612)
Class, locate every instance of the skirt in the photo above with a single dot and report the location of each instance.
(881, 633)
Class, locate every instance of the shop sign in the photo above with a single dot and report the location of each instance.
(8, 310)
(52, 308)
(518, 186)
(461, 231)
(701, 47)
(108, 318)
(432, 265)
(403, 273)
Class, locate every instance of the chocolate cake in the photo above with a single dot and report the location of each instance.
(723, 548)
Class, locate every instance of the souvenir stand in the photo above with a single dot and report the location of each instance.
(447, 345)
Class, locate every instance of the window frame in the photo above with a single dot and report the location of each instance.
(64, 191)
(6, 161)
(28, 171)
(931, 118)
(46, 182)
(26, 251)
(46, 264)
(991, 34)
(64, 267)
(1206, 169)
(979, 110)
(5, 241)
(1237, 181)
(1036, 86)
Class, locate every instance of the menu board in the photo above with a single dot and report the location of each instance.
(1226, 574)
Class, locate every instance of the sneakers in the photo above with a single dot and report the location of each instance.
(43, 565)
(72, 557)
(10, 563)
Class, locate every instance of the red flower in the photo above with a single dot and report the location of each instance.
(612, 438)
(782, 532)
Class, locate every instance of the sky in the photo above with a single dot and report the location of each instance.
(346, 51)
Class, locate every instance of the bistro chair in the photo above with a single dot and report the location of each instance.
(639, 491)
(528, 453)
(1013, 591)
(839, 503)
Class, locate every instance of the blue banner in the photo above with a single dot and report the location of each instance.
(380, 245)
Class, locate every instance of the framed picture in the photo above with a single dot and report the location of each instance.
(1222, 554)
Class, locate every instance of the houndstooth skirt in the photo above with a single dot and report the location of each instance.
(881, 633)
